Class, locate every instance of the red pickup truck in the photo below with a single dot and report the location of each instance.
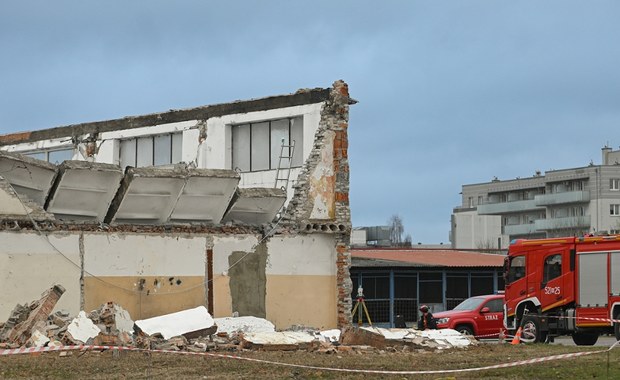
(481, 316)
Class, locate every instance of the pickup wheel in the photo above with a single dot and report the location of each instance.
(531, 330)
(585, 338)
(464, 329)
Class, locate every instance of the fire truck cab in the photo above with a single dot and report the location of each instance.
(563, 286)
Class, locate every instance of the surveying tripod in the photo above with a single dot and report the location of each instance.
(360, 301)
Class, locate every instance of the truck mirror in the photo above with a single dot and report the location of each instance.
(485, 310)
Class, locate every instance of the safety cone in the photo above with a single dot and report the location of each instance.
(517, 338)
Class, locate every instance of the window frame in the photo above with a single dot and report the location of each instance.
(273, 151)
(47, 152)
(614, 184)
(614, 209)
(152, 143)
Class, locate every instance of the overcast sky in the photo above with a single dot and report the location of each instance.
(450, 92)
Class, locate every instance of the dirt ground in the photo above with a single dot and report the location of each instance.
(143, 365)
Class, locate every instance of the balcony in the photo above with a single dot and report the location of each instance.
(508, 207)
(559, 198)
(563, 223)
(520, 229)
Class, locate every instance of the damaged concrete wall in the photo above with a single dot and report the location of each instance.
(303, 268)
(301, 281)
(248, 281)
(321, 200)
(30, 264)
(147, 274)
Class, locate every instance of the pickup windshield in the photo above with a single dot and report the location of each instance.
(469, 304)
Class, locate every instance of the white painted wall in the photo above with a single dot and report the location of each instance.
(116, 254)
(473, 231)
(306, 255)
(31, 265)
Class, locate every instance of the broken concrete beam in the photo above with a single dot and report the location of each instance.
(189, 323)
(354, 336)
(21, 332)
(248, 324)
(279, 341)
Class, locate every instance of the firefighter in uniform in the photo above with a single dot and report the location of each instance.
(426, 319)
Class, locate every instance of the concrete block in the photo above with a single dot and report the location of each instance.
(255, 205)
(83, 190)
(28, 176)
(179, 323)
(82, 328)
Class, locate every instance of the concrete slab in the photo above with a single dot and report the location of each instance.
(179, 323)
(205, 196)
(82, 329)
(174, 194)
(255, 205)
(83, 190)
(29, 177)
(16, 207)
(247, 324)
(147, 195)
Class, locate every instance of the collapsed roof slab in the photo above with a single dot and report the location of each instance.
(84, 190)
(147, 195)
(14, 207)
(29, 177)
(256, 205)
(206, 196)
(173, 194)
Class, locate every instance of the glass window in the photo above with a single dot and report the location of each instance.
(38, 155)
(144, 156)
(517, 268)
(405, 286)
(457, 286)
(58, 156)
(162, 150)
(258, 146)
(553, 267)
(614, 184)
(151, 150)
(241, 147)
(481, 284)
(495, 306)
(128, 153)
(614, 210)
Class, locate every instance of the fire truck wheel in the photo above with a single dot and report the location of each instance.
(531, 330)
(585, 338)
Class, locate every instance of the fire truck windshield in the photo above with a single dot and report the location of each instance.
(516, 268)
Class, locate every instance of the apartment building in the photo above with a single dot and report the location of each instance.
(567, 202)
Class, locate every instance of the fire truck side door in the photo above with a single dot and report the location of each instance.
(516, 283)
(555, 268)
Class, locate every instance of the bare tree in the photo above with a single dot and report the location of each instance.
(396, 229)
(407, 242)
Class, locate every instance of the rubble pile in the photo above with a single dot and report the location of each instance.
(194, 330)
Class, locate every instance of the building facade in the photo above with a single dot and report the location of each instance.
(396, 281)
(568, 202)
(241, 207)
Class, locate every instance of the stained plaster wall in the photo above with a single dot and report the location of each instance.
(286, 279)
(30, 265)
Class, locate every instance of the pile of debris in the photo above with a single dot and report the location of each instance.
(194, 330)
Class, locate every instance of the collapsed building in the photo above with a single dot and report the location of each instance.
(241, 207)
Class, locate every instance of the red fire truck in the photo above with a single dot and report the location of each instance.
(563, 286)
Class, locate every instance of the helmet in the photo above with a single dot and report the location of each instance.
(424, 308)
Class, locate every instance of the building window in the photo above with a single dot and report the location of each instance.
(52, 156)
(257, 146)
(614, 184)
(151, 150)
(614, 210)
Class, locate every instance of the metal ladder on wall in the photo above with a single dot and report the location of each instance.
(283, 173)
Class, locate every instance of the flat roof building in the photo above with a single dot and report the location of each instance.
(567, 202)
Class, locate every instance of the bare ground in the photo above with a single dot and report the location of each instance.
(143, 365)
